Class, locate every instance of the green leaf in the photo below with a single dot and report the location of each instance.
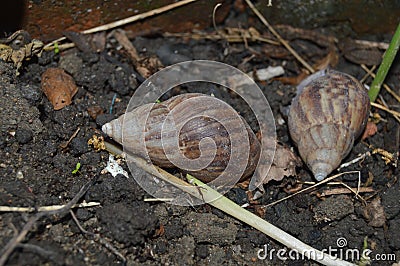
(56, 49)
(77, 167)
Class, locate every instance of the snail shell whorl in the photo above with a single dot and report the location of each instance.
(325, 119)
(190, 135)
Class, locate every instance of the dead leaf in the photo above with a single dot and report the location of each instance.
(375, 213)
(284, 164)
(145, 66)
(160, 231)
(10, 52)
(370, 130)
(59, 87)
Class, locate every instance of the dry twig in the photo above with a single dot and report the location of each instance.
(232, 35)
(64, 145)
(339, 191)
(397, 97)
(45, 208)
(281, 40)
(371, 44)
(128, 20)
(98, 238)
(359, 158)
(311, 187)
(395, 114)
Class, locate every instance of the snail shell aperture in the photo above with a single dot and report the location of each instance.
(190, 140)
(325, 118)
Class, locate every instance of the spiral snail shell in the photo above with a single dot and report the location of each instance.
(325, 118)
(128, 130)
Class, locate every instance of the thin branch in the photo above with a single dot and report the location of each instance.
(340, 191)
(394, 113)
(371, 44)
(356, 160)
(64, 145)
(97, 238)
(46, 208)
(372, 74)
(326, 180)
(47, 254)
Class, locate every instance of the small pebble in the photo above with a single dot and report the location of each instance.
(161, 247)
(24, 136)
(83, 214)
(31, 92)
(20, 175)
(201, 251)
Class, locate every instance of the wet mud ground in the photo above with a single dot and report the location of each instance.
(35, 171)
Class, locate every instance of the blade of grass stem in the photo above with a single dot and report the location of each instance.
(387, 61)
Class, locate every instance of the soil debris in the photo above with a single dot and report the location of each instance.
(25, 50)
(333, 208)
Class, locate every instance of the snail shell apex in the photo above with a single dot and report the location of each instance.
(131, 135)
(326, 117)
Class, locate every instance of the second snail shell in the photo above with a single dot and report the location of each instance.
(325, 118)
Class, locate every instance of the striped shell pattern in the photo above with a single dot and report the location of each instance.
(325, 118)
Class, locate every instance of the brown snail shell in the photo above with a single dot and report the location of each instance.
(190, 136)
(325, 118)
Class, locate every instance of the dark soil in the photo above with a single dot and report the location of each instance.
(35, 171)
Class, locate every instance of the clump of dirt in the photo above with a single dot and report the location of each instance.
(36, 169)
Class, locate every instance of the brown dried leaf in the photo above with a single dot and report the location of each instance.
(284, 164)
(59, 87)
(145, 66)
(370, 130)
(375, 213)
